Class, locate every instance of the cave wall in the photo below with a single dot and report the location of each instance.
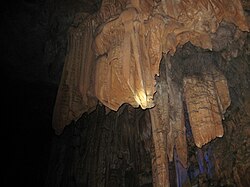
(102, 149)
(220, 162)
(223, 162)
(231, 153)
(126, 40)
(198, 69)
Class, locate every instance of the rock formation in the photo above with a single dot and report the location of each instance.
(124, 54)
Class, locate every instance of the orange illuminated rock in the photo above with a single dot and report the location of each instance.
(76, 92)
(114, 54)
(130, 46)
(168, 125)
(207, 99)
(127, 62)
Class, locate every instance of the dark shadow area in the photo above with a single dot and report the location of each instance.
(27, 132)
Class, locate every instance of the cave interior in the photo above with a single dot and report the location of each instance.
(127, 93)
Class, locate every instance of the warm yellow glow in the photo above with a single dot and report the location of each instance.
(142, 99)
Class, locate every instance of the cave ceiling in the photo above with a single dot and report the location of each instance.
(35, 45)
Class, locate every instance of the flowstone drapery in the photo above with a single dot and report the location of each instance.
(207, 99)
(114, 57)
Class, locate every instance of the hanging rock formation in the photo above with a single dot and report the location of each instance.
(76, 92)
(207, 99)
(168, 125)
(114, 58)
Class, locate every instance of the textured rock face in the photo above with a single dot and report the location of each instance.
(231, 153)
(76, 93)
(207, 97)
(168, 125)
(104, 150)
(114, 57)
(128, 39)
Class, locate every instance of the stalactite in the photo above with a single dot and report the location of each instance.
(168, 126)
(114, 58)
(128, 60)
(159, 160)
(75, 95)
(207, 98)
(176, 138)
(126, 40)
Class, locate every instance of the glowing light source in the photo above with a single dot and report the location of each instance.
(143, 100)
